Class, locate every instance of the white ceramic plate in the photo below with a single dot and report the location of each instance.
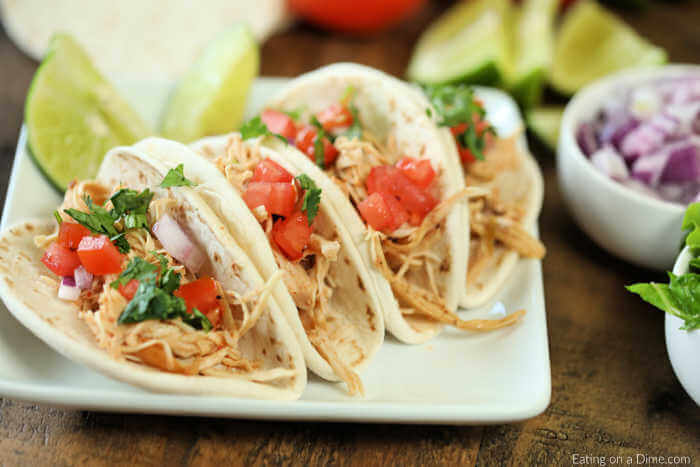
(457, 378)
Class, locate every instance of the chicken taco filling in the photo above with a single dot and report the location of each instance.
(304, 244)
(494, 165)
(399, 198)
(144, 288)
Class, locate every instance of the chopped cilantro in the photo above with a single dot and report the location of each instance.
(255, 127)
(293, 114)
(176, 177)
(455, 105)
(130, 206)
(154, 298)
(319, 152)
(355, 130)
(138, 269)
(312, 196)
(58, 217)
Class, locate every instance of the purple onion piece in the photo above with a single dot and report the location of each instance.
(695, 125)
(608, 161)
(586, 138)
(683, 165)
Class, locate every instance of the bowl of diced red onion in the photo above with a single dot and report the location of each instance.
(628, 160)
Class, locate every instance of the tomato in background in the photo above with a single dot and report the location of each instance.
(357, 16)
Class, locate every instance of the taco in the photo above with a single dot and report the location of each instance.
(503, 218)
(285, 222)
(138, 279)
(400, 198)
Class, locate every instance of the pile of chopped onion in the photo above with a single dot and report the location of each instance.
(648, 138)
(178, 244)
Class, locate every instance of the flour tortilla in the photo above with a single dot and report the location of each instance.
(525, 186)
(357, 329)
(36, 305)
(142, 40)
(389, 107)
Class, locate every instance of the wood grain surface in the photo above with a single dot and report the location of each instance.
(613, 390)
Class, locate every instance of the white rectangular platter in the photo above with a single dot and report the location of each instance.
(457, 378)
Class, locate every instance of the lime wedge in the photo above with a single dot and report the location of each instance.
(74, 116)
(211, 98)
(592, 43)
(531, 47)
(467, 44)
(544, 122)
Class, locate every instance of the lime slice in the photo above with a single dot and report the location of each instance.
(468, 44)
(544, 122)
(531, 47)
(74, 116)
(211, 98)
(592, 43)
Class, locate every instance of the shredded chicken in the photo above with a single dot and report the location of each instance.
(169, 345)
(407, 247)
(307, 280)
(494, 222)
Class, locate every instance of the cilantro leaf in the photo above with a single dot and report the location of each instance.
(355, 130)
(319, 152)
(293, 114)
(99, 221)
(680, 297)
(176, 177)
(312, 196)
(138, 269)
(58, 217)
(455, 105)
(131, 207)
(256, 127)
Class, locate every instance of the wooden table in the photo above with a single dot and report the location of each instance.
(613, 390)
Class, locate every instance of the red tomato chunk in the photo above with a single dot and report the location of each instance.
(129, 290)
(99, 255)
(280, 123)
(70, 234)
(375, 211)
(202, 294)
(390, 180)
(335, 116)
(305, 143)
(292, 235)
(278, 198)
(419, 171)
(270, 171)
(60, 260)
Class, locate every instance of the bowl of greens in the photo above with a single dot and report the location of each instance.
(680, 299)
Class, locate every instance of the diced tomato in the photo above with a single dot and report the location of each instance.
(270, 171)
(200, 294)
(283, 198)
(61, 260)
(280, 123)
(214, 316)
(335, 116)
(70, 234)
(398, 213)
(305, 143)
(278, 198)
(129, 290)
(292, 234)
(375, 211)
(419, 171)
(388, 179)
(99, 255)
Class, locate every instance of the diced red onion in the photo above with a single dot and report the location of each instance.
(608, 161)
(648, 169)
(643, 140)
(587, 139)
(683, 165)
(68, 290)
(177, 243)
(83, 278)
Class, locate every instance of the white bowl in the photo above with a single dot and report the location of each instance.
(633, 226)
(684, 346)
